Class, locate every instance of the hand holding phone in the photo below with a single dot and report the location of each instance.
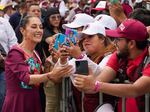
(82, 67)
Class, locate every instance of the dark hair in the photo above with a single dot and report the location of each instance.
(142, 15)
(25, 21)
(21, 5)
(33, 4)
(106, 40)
(141, 44)
(51, 11)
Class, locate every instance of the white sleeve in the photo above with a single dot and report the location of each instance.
(69, 62)
(104, 61)
(97, 68)
(62, 8)
(70, 15)
(12, 39)
(102, 64)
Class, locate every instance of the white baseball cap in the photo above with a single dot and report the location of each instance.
(94, 28)
(138, 1)
(107, 21)
(79, 20)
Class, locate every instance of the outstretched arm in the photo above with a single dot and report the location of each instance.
(140, 87)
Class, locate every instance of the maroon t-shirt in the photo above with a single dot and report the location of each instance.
(113, 62)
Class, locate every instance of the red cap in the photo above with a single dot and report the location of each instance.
(131, 29)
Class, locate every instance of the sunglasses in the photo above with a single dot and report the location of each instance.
(54, 17)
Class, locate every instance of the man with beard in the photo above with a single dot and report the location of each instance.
(131, 61)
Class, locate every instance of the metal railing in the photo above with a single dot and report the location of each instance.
(66, 94)
(147, 102)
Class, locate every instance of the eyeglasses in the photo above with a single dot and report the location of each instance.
(118, 39)
(54, 17)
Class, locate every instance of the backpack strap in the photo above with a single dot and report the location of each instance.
(146, 61)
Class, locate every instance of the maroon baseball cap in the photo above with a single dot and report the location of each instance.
(131, 29)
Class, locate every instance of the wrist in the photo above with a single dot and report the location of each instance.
(81, 56)
(63, 61)
(48, 75)
(97, 86)
(50, 60)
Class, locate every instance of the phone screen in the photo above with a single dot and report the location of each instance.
(65, 39)
(60, 39)
(82, 67)
(72, 35)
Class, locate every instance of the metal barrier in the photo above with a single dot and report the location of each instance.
(66, 94)
(147, 102)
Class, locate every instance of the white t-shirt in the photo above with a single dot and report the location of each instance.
(7, 35)
(96, 68)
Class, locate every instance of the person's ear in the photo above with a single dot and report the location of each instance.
(21, 30)
(131, 43)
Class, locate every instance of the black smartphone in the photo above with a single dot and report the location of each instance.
(82, 67)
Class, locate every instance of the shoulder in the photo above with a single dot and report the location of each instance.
(2, 20)
(113, 61)
(15, 53)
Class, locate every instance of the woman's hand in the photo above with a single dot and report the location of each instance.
(63, 54)
(55, 54)
(51, 39)
(74, 50)
(59, 71)
(85, 83)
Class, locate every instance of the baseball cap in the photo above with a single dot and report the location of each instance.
(100, 6)
(131, 29)
(138, 1)
(107, 21)
(79, 20)
(94, 28)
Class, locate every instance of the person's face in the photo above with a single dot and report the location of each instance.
(1, 13)
(55, 20)
(122, 47)
(9, 11)
(33, 31)
(34, 10)
(93, 44)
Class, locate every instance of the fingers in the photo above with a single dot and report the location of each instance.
(79, 79)
(65, 70)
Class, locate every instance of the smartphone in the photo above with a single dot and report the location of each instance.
(82, 67)
(60, 40)
(72, 34)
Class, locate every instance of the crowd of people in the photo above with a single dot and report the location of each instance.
(42, 43)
